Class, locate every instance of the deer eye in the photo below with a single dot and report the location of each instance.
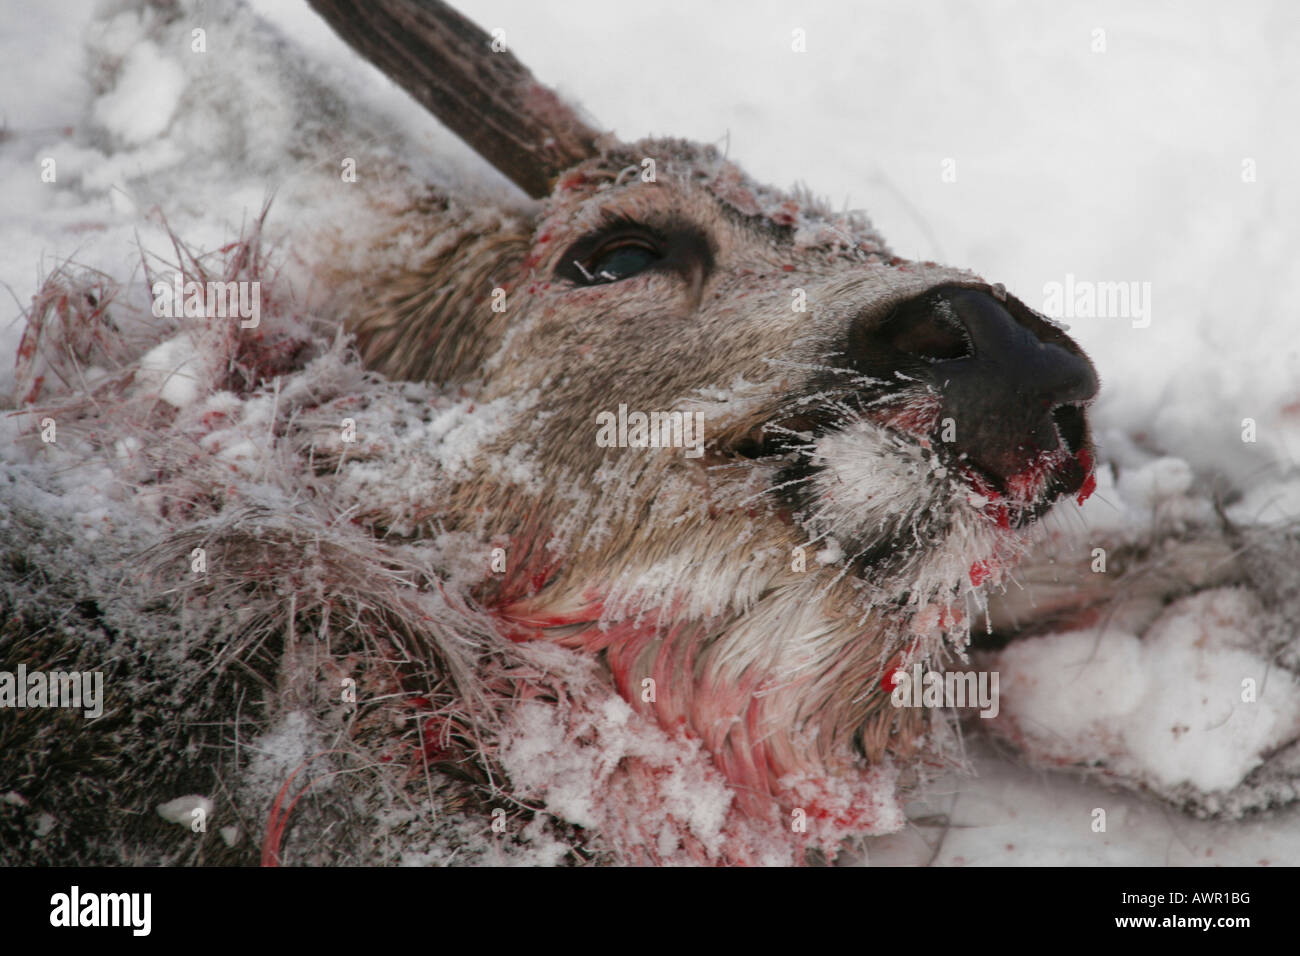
(623, 261)
(613, 261)
(625, 248)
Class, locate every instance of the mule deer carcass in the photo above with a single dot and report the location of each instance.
(873, 434)
(671, 432)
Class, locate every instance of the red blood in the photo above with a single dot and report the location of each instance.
(787, 268)
(979, 572)
(891, 680)
(1090, 483)
(1089, 486)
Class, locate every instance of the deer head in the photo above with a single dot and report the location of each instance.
(877, 434)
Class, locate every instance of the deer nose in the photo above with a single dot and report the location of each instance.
(1010, 384)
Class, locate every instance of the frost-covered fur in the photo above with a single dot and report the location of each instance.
(236, 576)
(466, 631)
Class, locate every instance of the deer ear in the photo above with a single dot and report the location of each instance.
(440, 318)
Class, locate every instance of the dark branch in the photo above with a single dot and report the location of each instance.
(489, 99)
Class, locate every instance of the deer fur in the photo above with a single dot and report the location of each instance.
(778, 671)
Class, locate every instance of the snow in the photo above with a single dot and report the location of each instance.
(174, 370)
(1185, 704)
(1122, 165)
(140, 106)
(182, 809)
(1159, 489)
(587, 784)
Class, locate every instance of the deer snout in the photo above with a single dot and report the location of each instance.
(1011, 386)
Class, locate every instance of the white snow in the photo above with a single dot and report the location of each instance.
(174, 369)
(1188, 703)
(182, 810)
(578, 763)
(140, 105)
